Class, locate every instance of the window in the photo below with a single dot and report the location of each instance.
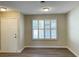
(44, 29)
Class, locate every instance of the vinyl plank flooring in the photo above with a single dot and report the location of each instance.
(41, 52)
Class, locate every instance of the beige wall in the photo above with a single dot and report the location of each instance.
(0, 30)
(21, 31)
(61, 30)
(73, 31)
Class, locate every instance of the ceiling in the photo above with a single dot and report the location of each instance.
(35, 7)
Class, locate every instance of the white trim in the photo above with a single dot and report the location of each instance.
(8, 52)
(18, 51)
(73, 52)
(44, 47)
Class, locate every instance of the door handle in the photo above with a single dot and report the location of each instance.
(15, 36)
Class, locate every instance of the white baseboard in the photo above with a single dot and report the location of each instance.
(44, 47)
(8, 52)
(73, 52)
(18, 51)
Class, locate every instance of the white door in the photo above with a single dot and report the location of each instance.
(9, 34)
(12, 34)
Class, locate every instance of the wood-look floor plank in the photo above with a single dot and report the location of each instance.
(41, 52)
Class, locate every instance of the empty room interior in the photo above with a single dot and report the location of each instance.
(39, 29)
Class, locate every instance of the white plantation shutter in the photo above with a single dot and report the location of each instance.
(44, 29)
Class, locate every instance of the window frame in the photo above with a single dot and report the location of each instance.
(44, 30)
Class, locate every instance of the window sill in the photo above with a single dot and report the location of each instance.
(44, 39)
